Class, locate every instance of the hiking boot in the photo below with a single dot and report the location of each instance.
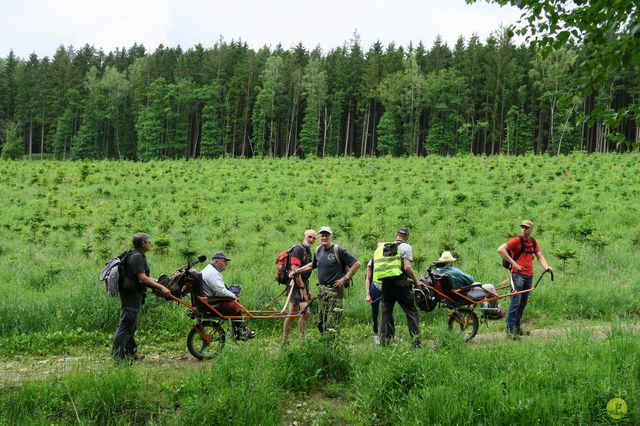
(523, 332)
(244, 334)
(513, 334)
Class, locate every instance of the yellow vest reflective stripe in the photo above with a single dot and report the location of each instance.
(386, 266)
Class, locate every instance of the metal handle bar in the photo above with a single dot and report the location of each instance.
(542, 275)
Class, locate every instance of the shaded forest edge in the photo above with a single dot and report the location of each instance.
(490, 97)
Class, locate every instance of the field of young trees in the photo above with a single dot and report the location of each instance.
(62, 221)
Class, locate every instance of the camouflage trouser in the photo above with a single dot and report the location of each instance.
(329, 308)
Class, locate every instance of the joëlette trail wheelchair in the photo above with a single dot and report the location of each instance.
(207, 335)
(435, 289)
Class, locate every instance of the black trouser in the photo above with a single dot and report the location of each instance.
(398, 290)
(124, 344)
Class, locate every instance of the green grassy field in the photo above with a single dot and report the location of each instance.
(62, 221)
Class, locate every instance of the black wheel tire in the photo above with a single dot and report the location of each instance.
(466, 322)
(424, 299)
(209, 348)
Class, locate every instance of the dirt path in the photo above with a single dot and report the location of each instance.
(34, 368)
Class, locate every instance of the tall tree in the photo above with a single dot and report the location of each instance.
(447, 96)
(552, 80)
(8, 86)
(151, 121)
(213, 144)
(315, 91)
(27, 98)
(267, 107)
(67, 125)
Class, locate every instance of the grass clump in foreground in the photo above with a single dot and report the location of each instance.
(564, 380)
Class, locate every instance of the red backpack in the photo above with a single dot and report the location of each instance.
(283, 266)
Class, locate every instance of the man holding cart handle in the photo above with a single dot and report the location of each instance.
(517, 255)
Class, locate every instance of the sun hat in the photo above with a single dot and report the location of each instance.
(446, 257)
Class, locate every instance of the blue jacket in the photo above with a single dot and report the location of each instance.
(459, 278)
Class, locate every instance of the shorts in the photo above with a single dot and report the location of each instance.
(297, 295)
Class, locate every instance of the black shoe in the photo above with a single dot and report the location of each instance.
(244, 334)
(513, 334)
(523, 332)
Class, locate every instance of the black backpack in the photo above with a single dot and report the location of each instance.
(523, 248)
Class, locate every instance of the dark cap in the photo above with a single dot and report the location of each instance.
(219, 255)
(403, 230)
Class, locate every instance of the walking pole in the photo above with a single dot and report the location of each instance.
(274, 298)
(291, 283)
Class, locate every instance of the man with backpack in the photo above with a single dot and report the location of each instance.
(336, 266)
(392, 264)
(132, 294)
(517, 255)
(298, 288)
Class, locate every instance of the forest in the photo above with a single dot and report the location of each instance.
(479, 96)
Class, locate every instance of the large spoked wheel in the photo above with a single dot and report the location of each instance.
(206, 340)
(465, 321)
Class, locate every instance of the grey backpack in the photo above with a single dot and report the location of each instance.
(113, 273)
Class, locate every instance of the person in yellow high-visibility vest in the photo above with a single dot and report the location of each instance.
(392, 264)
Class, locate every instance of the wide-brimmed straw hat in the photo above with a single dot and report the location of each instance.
(446, 257)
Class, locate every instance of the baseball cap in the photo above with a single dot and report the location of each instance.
(403, 230)
(326, 230)
(219, 255)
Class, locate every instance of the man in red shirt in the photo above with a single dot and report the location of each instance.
(519, 252)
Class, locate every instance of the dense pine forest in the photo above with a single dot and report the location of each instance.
(479, 97)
